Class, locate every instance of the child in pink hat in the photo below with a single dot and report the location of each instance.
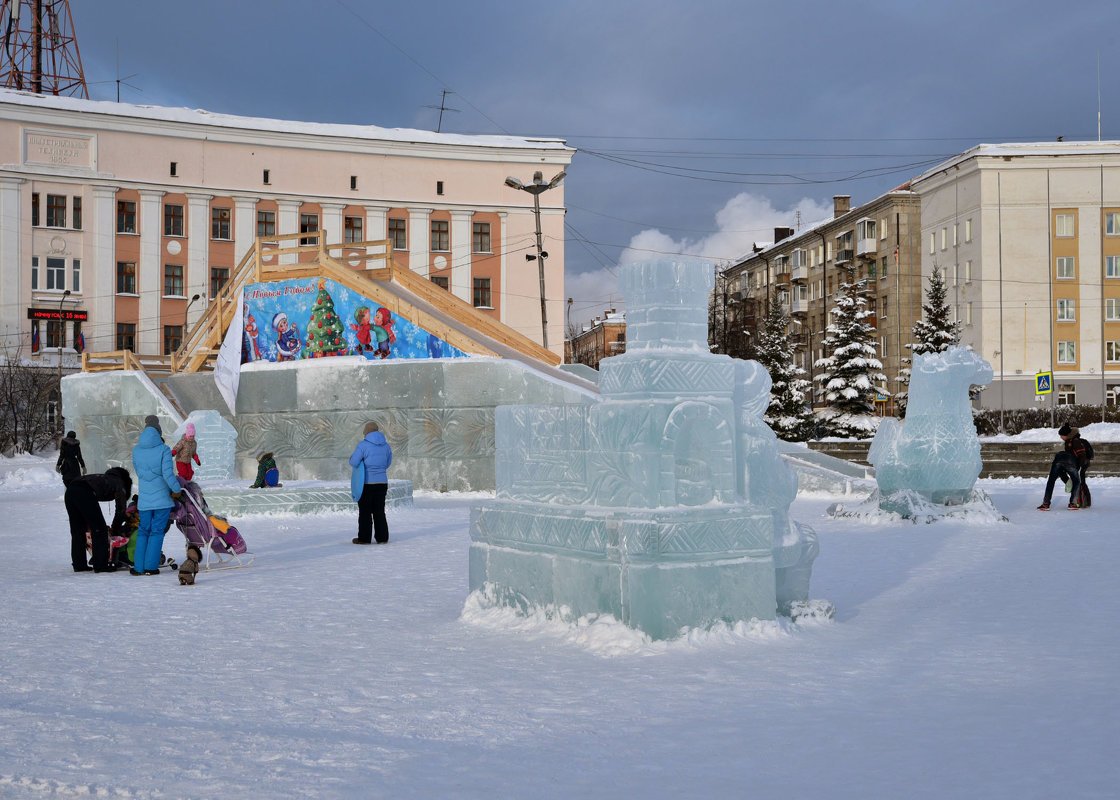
(185, 450)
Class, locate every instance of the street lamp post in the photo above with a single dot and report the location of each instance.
(61, 300)
(537, 188)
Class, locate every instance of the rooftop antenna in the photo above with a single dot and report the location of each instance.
(40, 50)
(123, 80)
(1098, 95)
(443, 107)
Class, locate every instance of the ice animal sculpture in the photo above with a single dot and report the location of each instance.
(666, 503)
(935, 453)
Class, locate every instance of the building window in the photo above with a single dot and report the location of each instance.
(172, 338)
(968, 313)
(397, 234)
(932, 243)
(266, 223)
(1112, 224)
(126, 216)
(441, 281)
(1112, 266)
(1067, 310)
(34, 272)
(944, 238)
(353, 229)
(1065, 267)
(1065, 225)
(480, 237)
(1112, 355)
(77, 213)
(441, 235)
(309, 223)
(35, 210)
(172, 220)
(882, 230)
(78, 343)
(76, 284)
(126, 336)
(1067, 395)
(956, 232)
(220, 223)
(126, 278)
(266, 176)
(353, 181)
(968, 271)
(174, 169)
(56, 333)
(883, 268)
(56, 211)
(1112, 309)
(56, 274)
(219, 277)
(173, 280)
(968, 230)
(439, 187)
(482, 293)
(1067, 352)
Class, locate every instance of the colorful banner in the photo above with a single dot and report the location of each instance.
(317, 317)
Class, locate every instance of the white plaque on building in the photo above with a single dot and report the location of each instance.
(55, 149)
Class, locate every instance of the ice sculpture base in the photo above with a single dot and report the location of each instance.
(234, 500)
(655, 570)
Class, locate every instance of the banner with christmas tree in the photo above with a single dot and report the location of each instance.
(317, 317)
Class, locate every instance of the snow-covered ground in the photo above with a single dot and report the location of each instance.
(966, 660)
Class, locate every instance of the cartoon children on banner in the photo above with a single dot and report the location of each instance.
(382, 329)
(288, 342)
(251, 345)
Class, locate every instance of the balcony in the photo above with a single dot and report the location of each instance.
(799, 273)
(799, 306)
(844, 256)
(867, 247)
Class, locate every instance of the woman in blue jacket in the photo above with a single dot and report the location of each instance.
(158, 489)
(374, 452)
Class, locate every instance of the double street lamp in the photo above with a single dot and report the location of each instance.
(537, 188)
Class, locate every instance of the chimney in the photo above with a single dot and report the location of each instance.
(841, 205)
(782, 233)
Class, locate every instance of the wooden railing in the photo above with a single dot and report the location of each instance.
(342, 263)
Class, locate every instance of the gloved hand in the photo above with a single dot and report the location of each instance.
(177, 496)
(196, 459)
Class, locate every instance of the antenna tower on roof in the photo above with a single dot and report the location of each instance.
(40, 49)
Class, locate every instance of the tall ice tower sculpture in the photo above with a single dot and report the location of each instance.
(665, 504)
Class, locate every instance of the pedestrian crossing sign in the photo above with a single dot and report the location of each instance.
(1043, 382)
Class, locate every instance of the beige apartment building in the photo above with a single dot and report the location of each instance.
(604, 337)
(805, 268)
(114, 216)
(1029, 235)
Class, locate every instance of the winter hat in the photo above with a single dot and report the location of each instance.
(1065, 430)
(190, 430)
(152, 421)
(71, 435)
(280, 315)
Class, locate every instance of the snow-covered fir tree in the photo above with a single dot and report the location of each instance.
(934, 333)
(851, 369)
(789, 414)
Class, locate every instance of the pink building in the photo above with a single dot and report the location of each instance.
(113, 216)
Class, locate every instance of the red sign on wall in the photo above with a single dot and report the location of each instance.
(66, 314)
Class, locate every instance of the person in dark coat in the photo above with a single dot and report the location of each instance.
(83, 498)
(375, 453)
(1067, 465)
(70, 462)
(1075, 446)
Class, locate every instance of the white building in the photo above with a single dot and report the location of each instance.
(116, 215)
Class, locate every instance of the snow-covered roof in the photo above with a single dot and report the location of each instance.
(198, 116)
(1024, 149)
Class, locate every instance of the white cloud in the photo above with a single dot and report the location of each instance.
(745, 219)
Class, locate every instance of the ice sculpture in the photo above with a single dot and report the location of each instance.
(217, 445)
(935, 454)
(666, 503)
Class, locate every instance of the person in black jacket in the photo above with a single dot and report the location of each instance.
(82, 498)
(70, 462)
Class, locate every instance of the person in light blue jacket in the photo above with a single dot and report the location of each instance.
(376, 454)
(158, 490)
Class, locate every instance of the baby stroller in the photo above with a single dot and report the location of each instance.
(121, 542)
(219, 543)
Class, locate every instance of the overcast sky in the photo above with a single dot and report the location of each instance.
(700, 124)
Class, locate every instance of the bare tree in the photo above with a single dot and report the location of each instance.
(26, 391)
